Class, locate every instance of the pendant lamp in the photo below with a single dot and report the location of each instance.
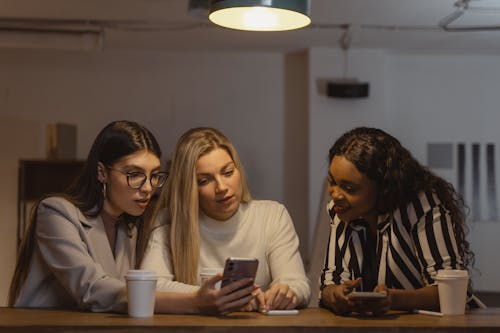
(260, 15)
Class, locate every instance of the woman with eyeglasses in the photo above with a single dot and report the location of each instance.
(79, 244)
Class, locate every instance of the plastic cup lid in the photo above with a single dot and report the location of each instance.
(452, 274)
(136, 274)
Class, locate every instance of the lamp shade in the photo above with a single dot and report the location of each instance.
(260, 15)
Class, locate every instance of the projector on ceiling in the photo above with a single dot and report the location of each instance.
(348, 88)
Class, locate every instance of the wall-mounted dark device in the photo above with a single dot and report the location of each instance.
(347, 87)
(342, 89)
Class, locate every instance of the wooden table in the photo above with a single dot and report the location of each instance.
(309, 320)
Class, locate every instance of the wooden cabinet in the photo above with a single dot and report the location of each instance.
(37, 178)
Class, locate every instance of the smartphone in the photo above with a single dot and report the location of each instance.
(239, 268)
(366, 295)
(282, 312)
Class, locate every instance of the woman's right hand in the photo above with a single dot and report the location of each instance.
(334, 297)
(232, 297)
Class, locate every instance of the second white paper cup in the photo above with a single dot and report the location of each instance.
(208, 272)
(141, 287)
(452, 289)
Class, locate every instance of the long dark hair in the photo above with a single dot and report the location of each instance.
(116, 140)
(400, 177)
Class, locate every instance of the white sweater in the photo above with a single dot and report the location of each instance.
(259, 229)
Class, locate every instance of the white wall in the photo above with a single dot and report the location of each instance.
(329, 118)
(419, 99)
(241, 94)
(451, 98)
(254, 98)
(296, 145)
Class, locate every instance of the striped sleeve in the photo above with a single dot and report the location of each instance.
(337, 253)
(434, 238)
(404, 267)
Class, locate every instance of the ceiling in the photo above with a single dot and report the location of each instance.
(396, 25)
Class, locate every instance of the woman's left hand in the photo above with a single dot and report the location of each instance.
(258, 302)
(280, 297)
(385, 304)
(375, 307)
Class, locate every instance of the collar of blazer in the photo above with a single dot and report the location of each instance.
(87, 220)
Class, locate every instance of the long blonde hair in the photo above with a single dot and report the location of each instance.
(179, 204)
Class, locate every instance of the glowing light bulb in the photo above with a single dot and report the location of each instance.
(260, 18)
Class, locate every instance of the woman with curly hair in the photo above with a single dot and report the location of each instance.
(394, 224)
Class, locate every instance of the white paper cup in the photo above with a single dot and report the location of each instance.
(141, 287)
(208, 272)
(452, 288)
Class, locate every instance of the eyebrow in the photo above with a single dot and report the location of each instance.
(342, 181)
(221, 169)
(134, 166)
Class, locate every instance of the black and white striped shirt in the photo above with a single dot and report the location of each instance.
(412, 245)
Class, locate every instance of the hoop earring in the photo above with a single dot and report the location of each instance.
(104, 190)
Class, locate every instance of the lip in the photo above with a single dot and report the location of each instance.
(142, 202)
(225, 200)
(340, 209)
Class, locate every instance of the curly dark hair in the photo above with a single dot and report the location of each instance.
(400, 177)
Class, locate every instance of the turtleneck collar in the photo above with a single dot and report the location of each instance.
(230, 225)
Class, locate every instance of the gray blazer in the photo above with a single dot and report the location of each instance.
(73, 264)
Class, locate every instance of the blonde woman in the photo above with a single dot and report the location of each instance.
(207, 214)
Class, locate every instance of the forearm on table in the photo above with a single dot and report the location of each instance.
(303, 292)
(291, 272)
(425, 298)
(177, 303)
(299, 285)
(167, 285)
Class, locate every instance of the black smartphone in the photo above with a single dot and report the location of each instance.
(239, 268)
(366, 295)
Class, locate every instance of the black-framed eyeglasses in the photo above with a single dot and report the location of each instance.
(136, 179)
